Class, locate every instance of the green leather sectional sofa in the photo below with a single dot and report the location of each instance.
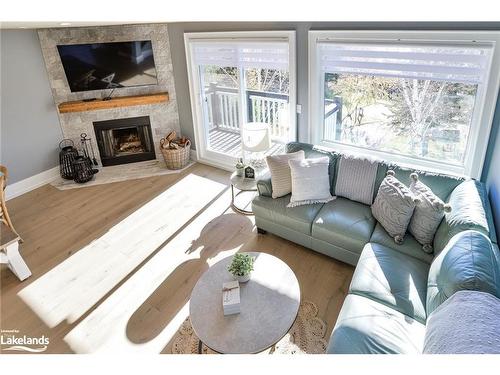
(394, 287)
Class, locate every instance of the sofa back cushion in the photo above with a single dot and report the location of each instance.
(442, 185)
(468, 262)
(468, 201)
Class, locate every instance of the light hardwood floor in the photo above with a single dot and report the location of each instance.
(114, 265)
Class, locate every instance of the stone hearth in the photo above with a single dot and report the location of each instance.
(122, 172)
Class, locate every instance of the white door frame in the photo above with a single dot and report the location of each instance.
(216, 159)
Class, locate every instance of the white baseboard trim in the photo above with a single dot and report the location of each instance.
(31, 183)
(46, 177)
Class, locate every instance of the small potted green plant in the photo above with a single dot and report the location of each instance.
(241, 267)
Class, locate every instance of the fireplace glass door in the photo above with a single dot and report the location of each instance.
(124, 140)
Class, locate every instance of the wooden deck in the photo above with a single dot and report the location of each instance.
(229, 143)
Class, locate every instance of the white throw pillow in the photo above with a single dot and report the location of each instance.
(393, 206)
(310, 181)
(427, 215)
(281, 179)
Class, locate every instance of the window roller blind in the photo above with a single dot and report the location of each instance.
(270, 55)
(461, 64)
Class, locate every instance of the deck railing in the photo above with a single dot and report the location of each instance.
(224, 112)
(332, 130)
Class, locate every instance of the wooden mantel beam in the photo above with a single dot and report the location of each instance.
(119, 101)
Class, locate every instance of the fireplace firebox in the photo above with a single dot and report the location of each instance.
(122, 141)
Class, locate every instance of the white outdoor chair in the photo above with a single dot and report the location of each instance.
(255, 141)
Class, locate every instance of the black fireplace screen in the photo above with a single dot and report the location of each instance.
(124, 140)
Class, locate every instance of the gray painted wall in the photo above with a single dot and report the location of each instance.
(177, 30)
(29, 130)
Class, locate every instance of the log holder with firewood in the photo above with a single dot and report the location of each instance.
(175, 151)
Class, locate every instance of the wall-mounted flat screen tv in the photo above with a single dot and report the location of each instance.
(101, 66)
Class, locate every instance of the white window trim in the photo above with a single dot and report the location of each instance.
(485, 100)
(208, 157)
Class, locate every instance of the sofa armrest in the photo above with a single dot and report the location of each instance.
(468, 262)
(264, 186)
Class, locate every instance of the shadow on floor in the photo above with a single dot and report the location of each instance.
(165, 302)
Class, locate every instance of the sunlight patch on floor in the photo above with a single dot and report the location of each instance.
(71, 288)
(105, 328)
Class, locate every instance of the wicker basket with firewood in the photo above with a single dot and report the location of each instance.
(175, 150)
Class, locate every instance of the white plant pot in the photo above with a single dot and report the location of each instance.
(242, 279)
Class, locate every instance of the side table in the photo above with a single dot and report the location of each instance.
(243, 185)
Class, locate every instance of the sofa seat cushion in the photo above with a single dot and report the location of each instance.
(393, 279)
(275, 210)
(344, 223)
(410, 245)
(365, 326)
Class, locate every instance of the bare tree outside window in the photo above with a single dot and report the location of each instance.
(422, 118)
(267, 80)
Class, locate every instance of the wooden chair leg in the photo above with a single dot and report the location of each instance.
(8, 222)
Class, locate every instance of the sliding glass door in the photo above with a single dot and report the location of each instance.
(221, 108)
(239, 84)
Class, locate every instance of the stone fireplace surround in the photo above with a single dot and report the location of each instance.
(163, 117)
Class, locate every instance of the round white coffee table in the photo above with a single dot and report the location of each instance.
(269, 305)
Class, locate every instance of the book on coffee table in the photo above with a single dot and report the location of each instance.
(231, 297)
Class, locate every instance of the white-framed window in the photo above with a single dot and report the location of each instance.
(424, 99)
(240, 80)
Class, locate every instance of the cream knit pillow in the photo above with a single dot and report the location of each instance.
(281, 179)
